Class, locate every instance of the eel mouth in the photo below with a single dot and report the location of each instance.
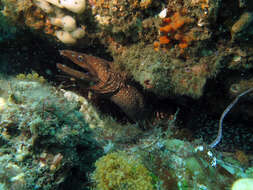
(79, 71)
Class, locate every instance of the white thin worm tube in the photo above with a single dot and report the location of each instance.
(219, 135)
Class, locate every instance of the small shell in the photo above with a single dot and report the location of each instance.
(163, 13)
(56, 161)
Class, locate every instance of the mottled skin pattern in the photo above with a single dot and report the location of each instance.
(107, 82)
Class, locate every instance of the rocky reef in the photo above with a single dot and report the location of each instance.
(44, 137)
(178, 36)
(187, 60)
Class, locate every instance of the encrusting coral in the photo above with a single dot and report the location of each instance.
(41, 135)
(164, 75)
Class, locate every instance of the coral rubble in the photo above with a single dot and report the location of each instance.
(42, 135)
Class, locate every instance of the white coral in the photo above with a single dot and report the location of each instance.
(76, 6)
(65, 37)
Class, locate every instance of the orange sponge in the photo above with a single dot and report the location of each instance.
(174, 29)
(164, 40)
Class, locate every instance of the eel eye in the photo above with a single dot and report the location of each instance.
(80, 58)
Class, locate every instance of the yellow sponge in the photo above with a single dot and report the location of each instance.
(119, 170)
